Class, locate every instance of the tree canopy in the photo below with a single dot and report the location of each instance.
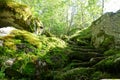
(61, 16)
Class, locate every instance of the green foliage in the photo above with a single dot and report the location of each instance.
(61, 16)
(111, 52)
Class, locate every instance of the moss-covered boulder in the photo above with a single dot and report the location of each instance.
(18, 16)
(26, 55)
(106, 31)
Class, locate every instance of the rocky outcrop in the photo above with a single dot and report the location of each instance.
(26, 55)
(18, 16)
(106, 31)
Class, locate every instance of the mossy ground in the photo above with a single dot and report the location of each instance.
(31, 52)
(26, 56)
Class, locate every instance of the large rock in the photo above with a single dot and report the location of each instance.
(26, 55)
(19, 16)
(106, 31)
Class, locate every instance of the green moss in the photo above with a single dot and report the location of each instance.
(29, 69)
(55, 58)
(101, 33)
(21, 40)
(8, 42)
(108, 42)
(111, 52)
(48, 34)
(13, 6)
(48, 43)
(24, 64)
(19, 16)
(27, 48)
(27, 37)
(82, 33)
(75, 74)
(82, 42)
(100, 75)
(110, 64)
(83, 37)
(2, 75)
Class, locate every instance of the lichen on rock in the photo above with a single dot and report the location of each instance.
(106, 30)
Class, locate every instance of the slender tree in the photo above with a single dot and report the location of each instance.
(102, 7)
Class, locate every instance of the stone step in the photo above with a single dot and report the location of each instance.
(86, 50)
(83, 56)
(90, 63)
(83, 64)
(85, 47)
(95, 60)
